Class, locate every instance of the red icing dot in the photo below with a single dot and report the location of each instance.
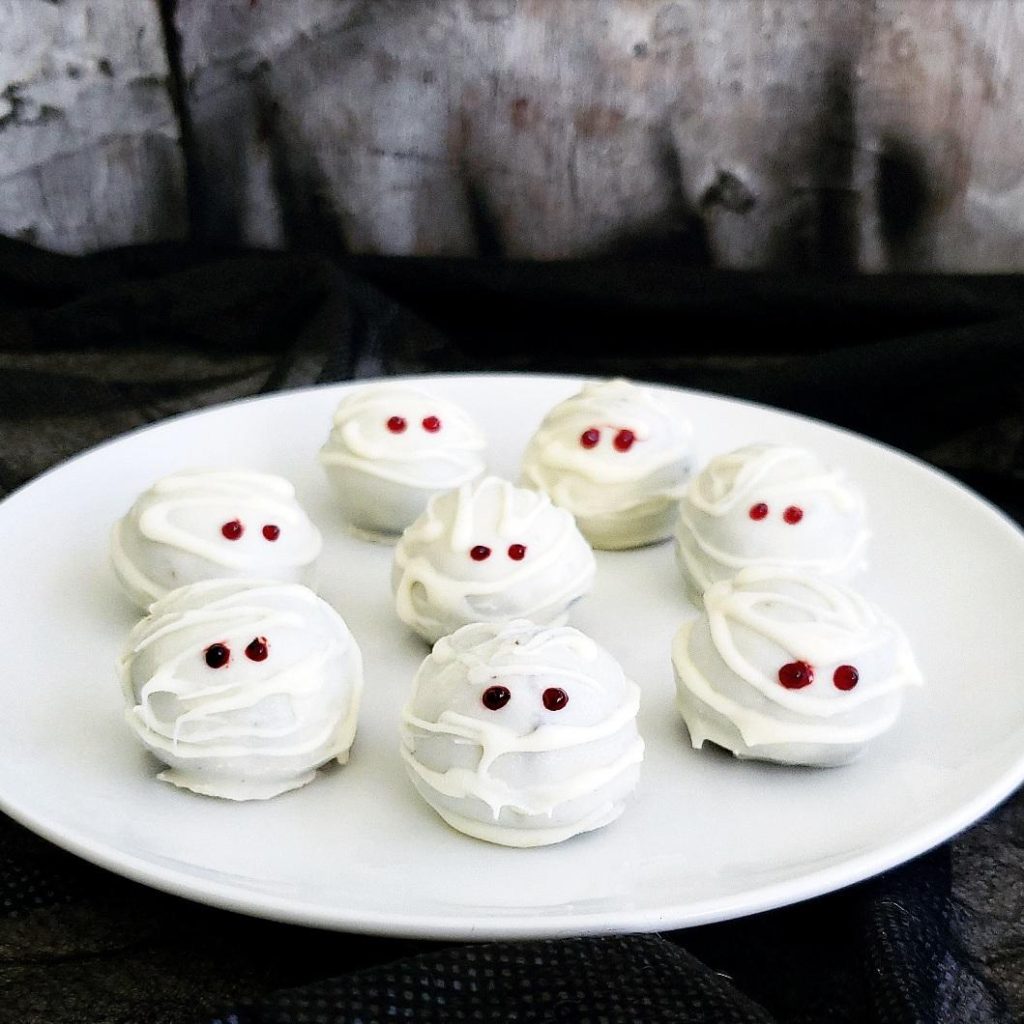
(555, 698)
(624, 440)
(793, 514)
(496, 697)
(258, 649)
(517, 552)
(396, 424)
(795, 675)
(589, 438)
(758, 511)
(845, 677)
(431, 424)
(217, 655)
(232, 530)
(271, 532)
(479, 553)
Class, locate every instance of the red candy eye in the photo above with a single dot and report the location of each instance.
(479, 553)
(232, 530)
(624, 440)
(396, 424)
(589, 438)
(271, 532)
(517, 552)
(555, 698)
(845, 677)
(217, 655)
(431, 424)
(258, 649)
(793, 514)
(496, 697)
(796, 675)
(758, 511)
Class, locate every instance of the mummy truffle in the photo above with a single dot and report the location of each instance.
(218, 524)
(790, 668)
(769, 505)
(392, 448)
(243, 689)
(489, 552)
(522, 735)
(617, 457)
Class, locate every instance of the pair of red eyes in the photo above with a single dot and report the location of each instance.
(218, 655)
(495, 698)
(623, 441)
(517, 552)
(398, 424)
(235, 529)
(797, 674)
(792, 514)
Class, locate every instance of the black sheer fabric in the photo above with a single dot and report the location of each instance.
(90, 347)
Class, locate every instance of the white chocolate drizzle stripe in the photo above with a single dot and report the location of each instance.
(824, 566)
(463, 470)
(132, 577)
(757, 464)
(495, 740)
(758, 729)
(541, 799)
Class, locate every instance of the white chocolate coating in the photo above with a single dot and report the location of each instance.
(172, 535)
(716, 536)
(523, 774)
(620, 498)
(727, 664)
(382, 480)
(439, 586)
(247, 730)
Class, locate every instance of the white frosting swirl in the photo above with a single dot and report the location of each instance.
(383, 478)
(440, 586)
(173, 534)
(245, 729)
(522, 774)
(625, 496)
(728, 661)
(717, 535)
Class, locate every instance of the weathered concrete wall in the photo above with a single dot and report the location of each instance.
(89, 145)
(870, 134)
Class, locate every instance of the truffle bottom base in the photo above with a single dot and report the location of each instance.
(704, 724)
(525, 838)
(226, 789)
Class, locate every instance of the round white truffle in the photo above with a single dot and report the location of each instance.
(489, 552)
(790, 668)
(522, 735)
(242, 688)
(391, 449)
(213, 524)
(769, 505)
(617, 456)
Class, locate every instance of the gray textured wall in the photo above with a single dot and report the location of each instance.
(871, 134)
(90, 148)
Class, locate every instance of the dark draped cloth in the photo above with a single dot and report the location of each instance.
(93, 346)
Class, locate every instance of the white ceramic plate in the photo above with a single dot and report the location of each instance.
(706, 837)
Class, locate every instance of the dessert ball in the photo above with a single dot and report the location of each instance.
(392, 448)
(243, 689)
(617, 456)
(489, 552)
(769, 505)
(522, 735)
(786, 667)
(215, 524)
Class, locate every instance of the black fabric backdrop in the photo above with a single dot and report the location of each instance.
(90, 347)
